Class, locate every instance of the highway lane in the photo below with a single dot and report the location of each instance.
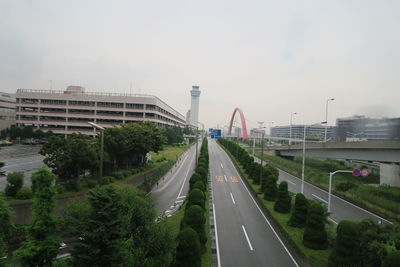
(245, 236)
(173, 187)
(340, 209)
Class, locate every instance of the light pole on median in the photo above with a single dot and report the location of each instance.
(326, 117)
(331, 174)
(101, 146)
(290, 127)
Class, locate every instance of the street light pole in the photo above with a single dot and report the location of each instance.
(331, 174)
(326, 116)
(304, 156)
(101, 146)
(262, 155)
(290, 127)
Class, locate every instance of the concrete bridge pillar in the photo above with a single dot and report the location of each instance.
(390, 174)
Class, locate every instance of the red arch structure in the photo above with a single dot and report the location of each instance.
(242, 120)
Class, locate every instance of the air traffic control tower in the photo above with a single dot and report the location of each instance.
(194, 107)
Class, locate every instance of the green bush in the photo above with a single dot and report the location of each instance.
(89, 181)
(119, 175)
(199, 185)
(345, 186)
(299, 215)
(196, 197)
(203, 173)
(392, 260)
(24, 193)
(315, 236)
(127, 173)
(106, 180)
(283, 199)
(194, 218)
(270, 189)
(188, 251)
(15, 181)
(193, 179)
(347, 248)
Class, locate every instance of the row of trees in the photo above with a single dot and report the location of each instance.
(357, 244)
(24, 132)
(124, 147)
(192, 237)
(113, 226)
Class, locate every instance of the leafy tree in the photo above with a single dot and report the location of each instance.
(188, 252)
(315, 236)
(6, 227)
(283, 200)
(2, 173)
(193, 179)
(15, 181)
(101, 234)
(392, 260)
(27, 132)
(41, 246)
(372, 241)
(271, 189)
(299, 215)
(199, 185)
(347, 248)
(194, 218)
(71, 157)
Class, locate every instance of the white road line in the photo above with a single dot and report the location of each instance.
(222, 166)
(178, 201)
(184, 180)
(216, 235)
(323, 200)
(334, 196)
(233, 200)
(290, 182)
(329, 218)
(181, 197)
(226, 180)
(265, 218)
(248, 240)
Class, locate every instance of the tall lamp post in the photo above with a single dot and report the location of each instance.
(331, 174)
(101, 146)
(326, 116)
(290, 128)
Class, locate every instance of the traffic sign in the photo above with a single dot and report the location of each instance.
(356, 172)
(364, 172)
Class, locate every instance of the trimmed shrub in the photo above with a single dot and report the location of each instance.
(126, 173)
(392, 260)
(106, 180)
(256, 174)
(347, 248)
(89, 181)
(315, 236)
(283, 199)
(203, 173)
(193, 179)
(194, 218)
(196, 197)
(188, 252)
(199, 185)
(271, 189)
(15, 181)
(299, 215)
(24, 193)
(119, 175)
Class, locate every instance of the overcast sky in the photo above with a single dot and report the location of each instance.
(269, 58)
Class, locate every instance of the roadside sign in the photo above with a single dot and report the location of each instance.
(364, 172)
(356, 172)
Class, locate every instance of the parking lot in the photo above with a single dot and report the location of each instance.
(20, 158)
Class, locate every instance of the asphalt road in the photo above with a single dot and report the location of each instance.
(244, 235)
(173, 187)
(20, 158)
(340, 209)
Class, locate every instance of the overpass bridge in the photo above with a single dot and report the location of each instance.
(387, 153)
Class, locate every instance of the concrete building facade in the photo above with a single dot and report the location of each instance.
(7, 110)
(194, 105)
(312, 131)
(69, 111)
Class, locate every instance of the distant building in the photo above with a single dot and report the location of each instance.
(188, 117)
(255, 132)
(7, 110)
(364, 128)
(69, 111)
(316, 132)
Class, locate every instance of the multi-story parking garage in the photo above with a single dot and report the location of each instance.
(66, 112)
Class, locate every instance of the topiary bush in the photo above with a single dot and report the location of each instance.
(347, 247)
(300, 209)
(106, 180)
(283, 199)
(196, 197)
(199, 185)
(193, 179)
(270, 189)
(315, 236)
(392, 260)
(15, 181)
(188, 251)
(24, 193)
(194, 218)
